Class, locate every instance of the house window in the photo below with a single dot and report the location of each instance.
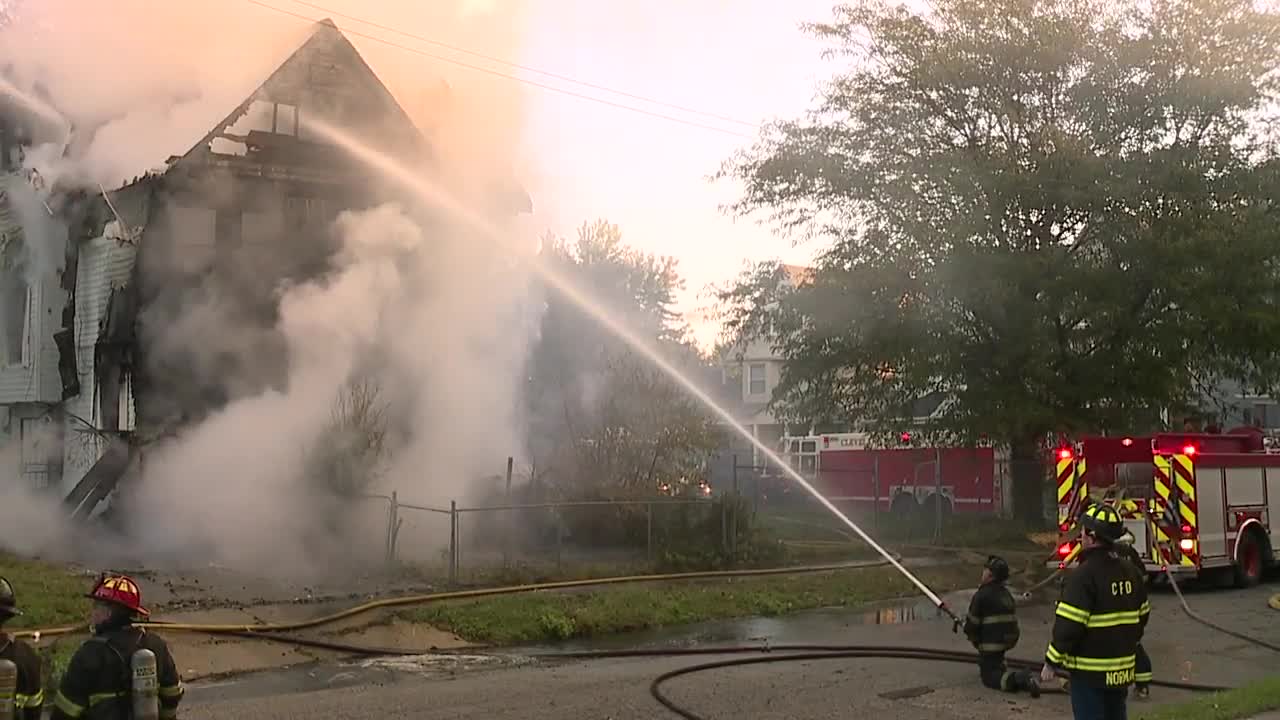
(15, 300)
(303, 212)
(284, 120)
(756, 384)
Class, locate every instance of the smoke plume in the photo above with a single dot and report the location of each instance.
(141, 80)
(401, 311)
(434, 317)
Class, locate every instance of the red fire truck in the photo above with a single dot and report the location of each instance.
(1197, 504)
(849, 469)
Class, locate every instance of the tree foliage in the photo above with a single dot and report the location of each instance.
(603, 419)
(352, 450)
(1061, 213)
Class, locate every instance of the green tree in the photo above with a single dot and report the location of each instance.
(602, 419)
(1061, 213)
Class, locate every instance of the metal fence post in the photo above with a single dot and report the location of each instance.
(391, 524)
(938, 497)
(724, 524)
(875, 494)
(648, 529)
(393, 527)
(508, 526)
(559, 540)
(733, 520)
(453, 541)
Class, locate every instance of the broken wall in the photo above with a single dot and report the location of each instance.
(247, 212)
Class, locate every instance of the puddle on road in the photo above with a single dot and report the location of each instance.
(442, 663)
(897, 615)
(811, 627)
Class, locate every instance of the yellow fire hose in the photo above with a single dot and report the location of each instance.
(462, 595)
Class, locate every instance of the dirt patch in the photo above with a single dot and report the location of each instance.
(202, 655)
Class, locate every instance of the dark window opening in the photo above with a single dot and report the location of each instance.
(756, 379)
(14, 299)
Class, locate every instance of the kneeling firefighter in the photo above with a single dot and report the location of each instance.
(21, 694)
(992, 627)
(123, 672)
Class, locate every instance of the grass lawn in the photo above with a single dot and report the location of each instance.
(550, 616)
(48, 596)
(1238, 704)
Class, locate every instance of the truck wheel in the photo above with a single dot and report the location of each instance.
(904, 505)
(1250, 561)
(930, 506)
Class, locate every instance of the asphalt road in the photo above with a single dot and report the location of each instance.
(619, 689)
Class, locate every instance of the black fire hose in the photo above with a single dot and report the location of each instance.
(796, 652)
(1209, 623)
(655, 688)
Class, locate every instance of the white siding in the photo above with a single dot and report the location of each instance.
(104, 263)
(37, 380)
(18, 382)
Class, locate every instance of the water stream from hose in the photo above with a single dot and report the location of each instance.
(433, 194)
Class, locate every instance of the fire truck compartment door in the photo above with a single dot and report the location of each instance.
(1141, 543)
(1245, 487)
(1273, 494)
(1210, 515)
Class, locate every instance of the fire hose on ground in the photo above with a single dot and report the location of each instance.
(258, 629)
(276, 632)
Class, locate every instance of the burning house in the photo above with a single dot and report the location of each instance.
(100, 356)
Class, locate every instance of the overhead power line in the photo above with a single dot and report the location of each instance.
(527, 68)
(516, 78)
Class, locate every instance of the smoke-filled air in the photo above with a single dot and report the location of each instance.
(378, 366)
(240, 340)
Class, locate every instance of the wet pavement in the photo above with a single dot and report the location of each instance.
(515, 687)
(808, 627)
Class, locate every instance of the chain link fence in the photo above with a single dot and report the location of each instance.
(471, 543)
(760, 518)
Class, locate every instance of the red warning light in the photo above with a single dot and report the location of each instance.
(1064, 454)
(1186, 529)
(1127, 442)
(1188, 449)
(906, 438)
(1064, 549)
(1064, 527)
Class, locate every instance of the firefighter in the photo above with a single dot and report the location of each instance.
(992, 627)
(1099, 622)
(1142, 676)
(27, 693)
(123, 671)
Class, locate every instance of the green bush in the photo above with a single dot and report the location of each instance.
(685, 536)
(555, 625)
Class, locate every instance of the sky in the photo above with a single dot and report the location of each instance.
(743, 59)
(580, 160)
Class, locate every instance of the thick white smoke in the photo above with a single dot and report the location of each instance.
(141, 80)
(434, 317)
(44, 237)
(436, 321)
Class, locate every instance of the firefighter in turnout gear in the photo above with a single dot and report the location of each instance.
(1099, 622)
(992, 627)
(20, 690)
(123, 672)
(1142, 676)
